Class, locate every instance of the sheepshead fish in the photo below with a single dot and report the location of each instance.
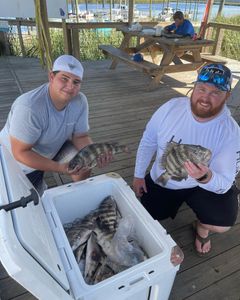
(87, 156)
(103, 272)
(79, 233)
(104, 240)
(66, 153)
(94, 257)
(174, 157)
(108, 214)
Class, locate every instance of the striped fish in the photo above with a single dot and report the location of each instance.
(174, 157)
(81, 230)
(66, 153)
(87, 156)
(108, 214)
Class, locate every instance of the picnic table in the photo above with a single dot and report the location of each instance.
(170, 47)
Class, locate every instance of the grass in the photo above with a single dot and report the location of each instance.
(231, 40)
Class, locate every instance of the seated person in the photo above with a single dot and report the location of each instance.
(180, 26)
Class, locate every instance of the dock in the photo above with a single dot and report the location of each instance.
(119, 108)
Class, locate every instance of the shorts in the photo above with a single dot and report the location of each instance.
(210, 208)
(36, 178)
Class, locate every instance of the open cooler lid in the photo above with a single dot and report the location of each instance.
(25, 235)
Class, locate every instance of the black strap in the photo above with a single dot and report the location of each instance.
(22, 202)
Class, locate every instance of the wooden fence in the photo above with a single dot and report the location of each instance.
(219, 27)
(71, 33)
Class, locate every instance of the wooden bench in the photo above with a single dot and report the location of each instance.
(119, 54)
(208, 58)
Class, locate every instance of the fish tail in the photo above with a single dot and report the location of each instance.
(163, 178)
(123, 148)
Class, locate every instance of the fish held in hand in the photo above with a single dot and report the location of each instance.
(66, 153)
(176, 155)
(88, 156)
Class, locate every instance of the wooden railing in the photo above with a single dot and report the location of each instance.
(220, 27)
(70, 32)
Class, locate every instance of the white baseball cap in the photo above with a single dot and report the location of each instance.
(70, 64)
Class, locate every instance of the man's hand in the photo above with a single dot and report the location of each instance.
(77, 173)
(197, 171)
(139, 186)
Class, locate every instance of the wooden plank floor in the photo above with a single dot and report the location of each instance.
(120, 106)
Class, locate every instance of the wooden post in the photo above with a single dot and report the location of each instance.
(210, 10)
(219, 39)
(77, 11)
(21, 39)
(110, 10)
(150, 9)
(220, 9)
(208, 36)
(75, 43)
(43, 32)
(5, 45)
(130, 12)
(67, 38)
(206, 16)
(45, 24)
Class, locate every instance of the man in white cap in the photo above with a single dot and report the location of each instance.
(42, 120)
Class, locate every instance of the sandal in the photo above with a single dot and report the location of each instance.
(202, 240)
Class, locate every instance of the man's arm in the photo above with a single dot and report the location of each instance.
(169, 28)
(23, 153)
(81, 140)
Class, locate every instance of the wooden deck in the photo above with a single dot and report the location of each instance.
(120, 106)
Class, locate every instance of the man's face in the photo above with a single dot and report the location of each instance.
(63, 87)
(178, 22)
(207, 101)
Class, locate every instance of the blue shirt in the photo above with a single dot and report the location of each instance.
(186, 28)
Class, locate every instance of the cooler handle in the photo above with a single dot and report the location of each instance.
(135, 280)
(22, 202)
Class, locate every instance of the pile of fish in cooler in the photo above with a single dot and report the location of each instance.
(103, 242)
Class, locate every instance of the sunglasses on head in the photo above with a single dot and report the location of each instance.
(215, 76)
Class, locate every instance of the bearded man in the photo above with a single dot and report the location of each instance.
(203, 120)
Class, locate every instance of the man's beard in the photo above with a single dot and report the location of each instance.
(200, 112)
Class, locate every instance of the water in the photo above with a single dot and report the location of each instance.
(228, 10)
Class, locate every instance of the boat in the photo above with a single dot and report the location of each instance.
(188, 15)
(87, 15)
(120, 14)
(166, 14)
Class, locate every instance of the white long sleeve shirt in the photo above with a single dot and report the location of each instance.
(174, 120)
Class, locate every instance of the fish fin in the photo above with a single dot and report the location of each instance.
(76, 161)
(166, 151)
(176, 178)
(92, 164)
(66, 152)
(125, 149)
(163, 178)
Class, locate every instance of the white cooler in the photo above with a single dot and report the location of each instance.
(36, 253)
